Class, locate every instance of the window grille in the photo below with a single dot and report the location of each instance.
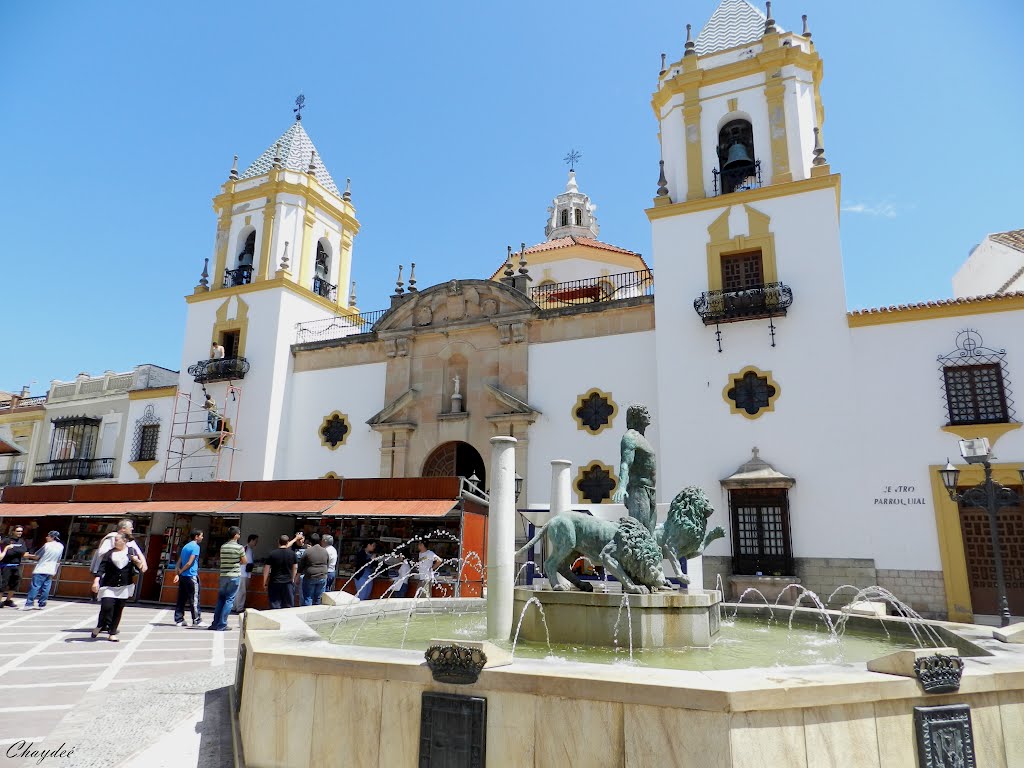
(741, 271)
(579, 217)
(147, 433)
(565, 217)
(974, 382)
(761, 540)
(74, 437)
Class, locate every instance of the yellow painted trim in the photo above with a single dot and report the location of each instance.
(768, 192)
(152, 394)
(276, 282)
(774, 90)
(579, 477)
(331, 476)
(734, 377)
(323, 426)
(691, 137)
(221, 257)
(579, 404)
(240, 323)
(269, 213)
(992, 432)
(951, 539)
(142, 467)
(305, 251)
(277, 185)
(935, 311)
(16, 416)
(760, 238)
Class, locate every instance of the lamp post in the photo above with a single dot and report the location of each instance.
(990, 496)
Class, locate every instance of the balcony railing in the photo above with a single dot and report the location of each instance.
(337, 327)
(747, 176)
(11, 477)
(322, 288)
(23, 402)
(224, 369)
(74, 469)
(240, 276)
(770, 300)
(592, 290)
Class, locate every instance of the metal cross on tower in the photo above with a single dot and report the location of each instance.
(572, 158)
(300, 103)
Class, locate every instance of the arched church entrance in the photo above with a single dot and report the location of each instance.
(455, 459)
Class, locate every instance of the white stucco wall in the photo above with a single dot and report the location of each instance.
(163, 409)
(988, 269)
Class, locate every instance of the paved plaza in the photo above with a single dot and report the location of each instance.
(115, 703)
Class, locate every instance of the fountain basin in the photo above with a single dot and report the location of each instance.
(659, 620)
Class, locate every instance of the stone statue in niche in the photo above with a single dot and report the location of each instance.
(456, 381)
(456, 395)
(637, 469)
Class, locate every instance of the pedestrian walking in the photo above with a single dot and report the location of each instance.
(400, 584)
(186, 576)
(313, 567)
(298, 545)
(47, 561)
(279, 573)
(12, 549)
(232, 560)
(332, 562)
(429, 562)
(114, 583)
(364, 570)
(250, 562)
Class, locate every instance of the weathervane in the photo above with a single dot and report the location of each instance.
(300, 102)
(572, 158)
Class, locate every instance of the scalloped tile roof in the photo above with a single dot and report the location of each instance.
(296, 150)
(565, 242)
(893, 308)
(1014, 238)
(734, 22)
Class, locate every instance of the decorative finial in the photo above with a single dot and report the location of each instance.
(769, 22)
(806, 33)
(277, 155)
(233, 175)
(819, 151)
(300, 103)
(347, 194)
(204, 279)
(509, 271)
(284, 257)
(691, 48)
(662, 72)
(312, 163)
(412, 278)
(755, 452)
(572, 158)
(662, 181)
(522, 259)
(399, 290)
(352, 295)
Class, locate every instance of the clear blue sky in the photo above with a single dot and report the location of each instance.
(452, 118)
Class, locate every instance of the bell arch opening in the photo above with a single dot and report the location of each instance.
(455, 459)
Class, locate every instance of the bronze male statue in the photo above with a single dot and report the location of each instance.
(637, 470)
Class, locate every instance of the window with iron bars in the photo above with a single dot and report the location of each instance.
(975, 394)
(147, 433)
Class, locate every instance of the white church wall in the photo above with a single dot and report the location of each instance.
(163, 410)
(987, 269)
(715, 113)
(560, 372)
(357, 392)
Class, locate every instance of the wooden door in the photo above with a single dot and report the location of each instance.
(981, 569)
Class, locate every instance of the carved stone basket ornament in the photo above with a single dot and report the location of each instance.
(455, 664)
(938, 673)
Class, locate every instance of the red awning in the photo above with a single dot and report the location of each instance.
(380, 508)
(112, 508)
(314, 507)
(386, 508)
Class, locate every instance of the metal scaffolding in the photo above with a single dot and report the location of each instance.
(202, 431)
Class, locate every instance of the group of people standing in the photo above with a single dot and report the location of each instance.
(297, 572)
(369, 565)
(13, 549)
(236, 563)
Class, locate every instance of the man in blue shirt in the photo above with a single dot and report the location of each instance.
(186, 576)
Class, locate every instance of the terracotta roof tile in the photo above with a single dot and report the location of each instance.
(566, 242)
(990, 297)
(1014, 238)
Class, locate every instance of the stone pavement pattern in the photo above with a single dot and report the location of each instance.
(113, 701)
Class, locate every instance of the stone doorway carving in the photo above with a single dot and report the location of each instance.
(455, 459)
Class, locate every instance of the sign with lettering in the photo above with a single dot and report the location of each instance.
(900, 496)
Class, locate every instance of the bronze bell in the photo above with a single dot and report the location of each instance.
(737, 156)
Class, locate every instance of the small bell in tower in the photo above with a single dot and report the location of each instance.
(737, 156)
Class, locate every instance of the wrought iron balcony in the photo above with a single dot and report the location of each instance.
(770, 300)
(11, 477)
(322, 288)
(240, 276)
(591, 290)
(74, 469)
(337, 327)
(224, 369)
(738, 178)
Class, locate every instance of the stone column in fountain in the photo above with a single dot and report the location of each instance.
(560, 486)
(501, 538)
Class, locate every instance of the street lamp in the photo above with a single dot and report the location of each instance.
(519, 486)
(990, 496)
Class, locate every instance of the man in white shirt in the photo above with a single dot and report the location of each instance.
(429, 562)
(47, 561)
(332, 562)
(250, 559)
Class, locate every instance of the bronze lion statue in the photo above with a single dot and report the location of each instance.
(625, 548)
(684, 534)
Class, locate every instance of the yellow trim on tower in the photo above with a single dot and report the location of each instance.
(269, 212)
(276, 282)
(142, 467)
(691, 137)
(954, 308)
(951, 538)
(153, 393)
(774, 89)
(221, 257)
(240, 323)
(767, 192)
(760, 238)
(991, 432)
(277, 185)
(735, 377)
(305, 259)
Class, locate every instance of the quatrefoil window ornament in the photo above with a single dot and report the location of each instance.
(334, 430)
(595, 482)
(594, 411)
(751, 392)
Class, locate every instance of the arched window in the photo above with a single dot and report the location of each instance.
(565, 217)
(579, 216)
(242, 273)
(323, 261)
(322, 271)
(738, 169)
(245, 257)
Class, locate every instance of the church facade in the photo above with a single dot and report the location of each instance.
(816, 432)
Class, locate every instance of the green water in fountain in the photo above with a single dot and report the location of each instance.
(743, 643)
